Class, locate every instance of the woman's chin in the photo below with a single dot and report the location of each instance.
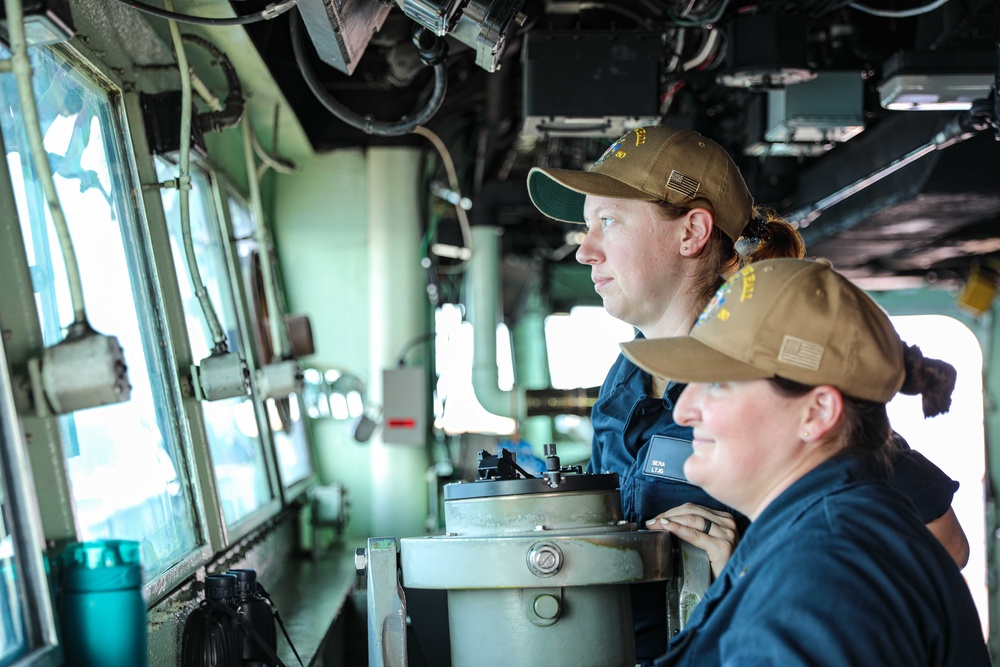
(696, 473)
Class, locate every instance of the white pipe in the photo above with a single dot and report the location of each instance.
(21, 67)
(184, 189)
(274, 316)
(484, 310)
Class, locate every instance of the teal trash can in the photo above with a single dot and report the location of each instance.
(102, 612)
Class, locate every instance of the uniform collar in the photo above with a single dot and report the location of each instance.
(781, 515)
(628, 372)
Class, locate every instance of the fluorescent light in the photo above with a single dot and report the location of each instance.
(933, 92)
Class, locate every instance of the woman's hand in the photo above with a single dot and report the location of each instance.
(708, 529)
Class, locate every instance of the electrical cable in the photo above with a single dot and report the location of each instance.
(678, 49)
(366, 123)
(268, 161)
(232, 109)
(463, 217)
(184, 186)
(270, 12)
(204, 92)
(419, 340)
(278, 344)
(695, 22)
(21, 67)
(898, 13)
(708, 49)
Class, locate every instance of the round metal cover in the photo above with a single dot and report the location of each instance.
(488, 488)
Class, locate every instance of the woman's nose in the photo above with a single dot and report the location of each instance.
(686, 410)
(589, 250)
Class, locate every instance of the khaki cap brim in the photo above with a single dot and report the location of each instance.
(687, 360)
(560, 193)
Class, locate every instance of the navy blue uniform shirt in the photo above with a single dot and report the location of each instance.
(837, 570)
(626, 419)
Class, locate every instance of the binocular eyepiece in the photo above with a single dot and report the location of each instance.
(233, 626)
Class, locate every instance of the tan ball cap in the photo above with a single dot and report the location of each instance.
(792, 318)
(652, 164)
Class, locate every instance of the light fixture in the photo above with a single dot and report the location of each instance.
(934, 81)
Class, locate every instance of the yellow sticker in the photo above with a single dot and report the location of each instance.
(640, 136)
(620, 154)
(723, 314)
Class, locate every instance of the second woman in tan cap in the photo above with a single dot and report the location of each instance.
(789, 370)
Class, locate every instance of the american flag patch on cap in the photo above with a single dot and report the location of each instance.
(686, 185)
(800, 353)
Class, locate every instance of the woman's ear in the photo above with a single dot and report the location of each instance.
(824, 408)
(696, 231)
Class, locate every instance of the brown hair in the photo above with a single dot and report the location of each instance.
(767, 236)
(933, 379)
(772, 237)
(864, 427)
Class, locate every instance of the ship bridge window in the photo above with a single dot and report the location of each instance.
(582, 345)
(284, 416)
(954, 441)
(231, 424)
(126, 469)
(457, 410)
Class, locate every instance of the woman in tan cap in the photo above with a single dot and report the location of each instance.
(789, 369)
(664, 209)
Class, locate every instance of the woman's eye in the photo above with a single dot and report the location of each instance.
(606, 222)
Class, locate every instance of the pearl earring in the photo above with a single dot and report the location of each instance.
(805, 435)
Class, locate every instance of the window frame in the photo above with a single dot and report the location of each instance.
(220, 536)
(265, 512)
(152, 313)
(37, 610)
(225, 190)
(58, 515)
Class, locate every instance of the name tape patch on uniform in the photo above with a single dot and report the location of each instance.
(666, 456)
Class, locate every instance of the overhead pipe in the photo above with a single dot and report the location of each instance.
(483, 310)
(963, 126)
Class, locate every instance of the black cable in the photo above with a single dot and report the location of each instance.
(366, 123)
(270, 12)
(423, 338)
(232, 111)
(281, 623)
(244, 621)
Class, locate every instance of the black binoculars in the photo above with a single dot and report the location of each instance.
(233, 626)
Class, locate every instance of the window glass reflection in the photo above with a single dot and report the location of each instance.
(234, 440)
(284, 415)
(126, 472)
